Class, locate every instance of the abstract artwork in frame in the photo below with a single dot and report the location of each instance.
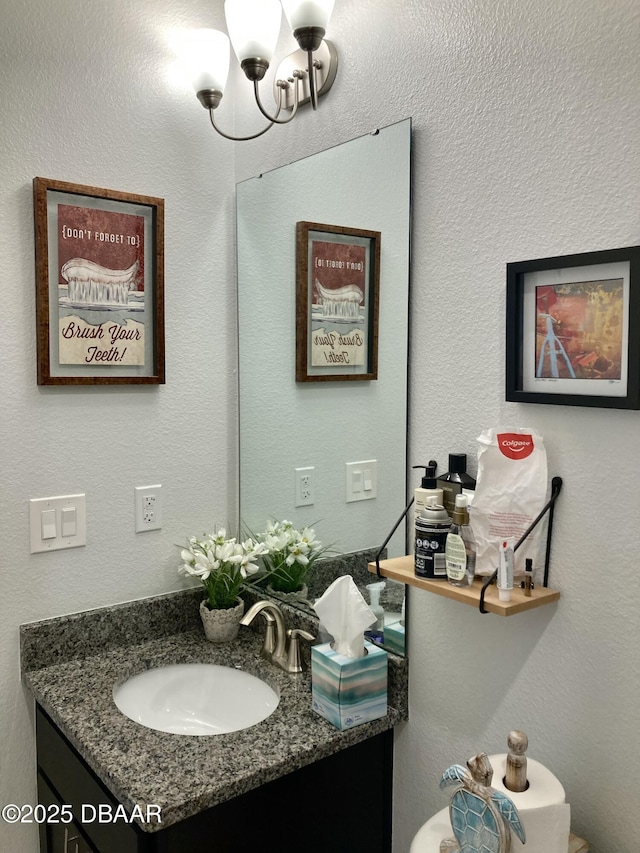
(573, 330)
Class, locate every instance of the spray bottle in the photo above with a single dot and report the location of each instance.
(432, 526)
(460, 547)
(376, 630)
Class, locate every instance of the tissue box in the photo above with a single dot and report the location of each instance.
(349, 691)
(394, 637)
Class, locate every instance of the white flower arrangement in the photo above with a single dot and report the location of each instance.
(290, 555)
(222, 565)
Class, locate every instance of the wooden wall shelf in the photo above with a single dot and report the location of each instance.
(402, 569)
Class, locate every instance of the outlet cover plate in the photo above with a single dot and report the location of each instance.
(148, 508)
(305, 486)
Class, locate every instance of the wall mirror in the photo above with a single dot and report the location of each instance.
(286, 425)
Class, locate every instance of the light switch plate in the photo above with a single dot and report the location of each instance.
(362, 480)
(55, 521)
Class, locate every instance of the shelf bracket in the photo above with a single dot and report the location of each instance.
(393, 530)
(556, 488)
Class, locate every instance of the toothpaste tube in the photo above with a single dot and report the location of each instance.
(505, 570)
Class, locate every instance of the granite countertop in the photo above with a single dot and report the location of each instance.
(72, 664)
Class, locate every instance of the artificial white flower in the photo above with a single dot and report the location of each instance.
(221, 564)
(290, 555)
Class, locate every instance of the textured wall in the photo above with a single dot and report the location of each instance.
(87, 98)
(526, 144)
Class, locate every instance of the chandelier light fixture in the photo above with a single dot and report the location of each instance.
(254, 27)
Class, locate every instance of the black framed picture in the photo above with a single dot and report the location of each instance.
(573, 330)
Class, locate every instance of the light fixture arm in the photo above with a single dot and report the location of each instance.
(312, 65)
(309, 40)
(237, 138)
(320, 73)
(210, 98)
(281, 86)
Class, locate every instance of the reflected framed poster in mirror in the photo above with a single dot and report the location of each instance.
(337, 298)
(573, 330)
(99, 285)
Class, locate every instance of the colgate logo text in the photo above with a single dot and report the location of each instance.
(515, 446)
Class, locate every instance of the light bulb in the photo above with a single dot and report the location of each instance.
(254, 26)
(308, 13)
(205, 56)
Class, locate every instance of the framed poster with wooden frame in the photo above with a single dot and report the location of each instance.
(99, 285)
(573, 330)
(337, 301)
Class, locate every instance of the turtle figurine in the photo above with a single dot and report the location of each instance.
(481, 817)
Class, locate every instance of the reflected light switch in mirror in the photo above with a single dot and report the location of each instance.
(69, 526)
(362, 480)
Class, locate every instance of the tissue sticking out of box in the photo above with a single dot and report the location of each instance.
(346, 615)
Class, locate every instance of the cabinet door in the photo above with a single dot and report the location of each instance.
(72, 782)
(59, 837)
(73, 841)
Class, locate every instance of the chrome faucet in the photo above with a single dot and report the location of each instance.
(275, 647)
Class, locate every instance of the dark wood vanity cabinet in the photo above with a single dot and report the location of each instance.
(339, 804)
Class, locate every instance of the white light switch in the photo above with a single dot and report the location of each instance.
(362, 480)
(69, 516)
(57, 523)
(48, 521)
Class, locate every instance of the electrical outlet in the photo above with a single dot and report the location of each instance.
(148, 508)
(305, 486)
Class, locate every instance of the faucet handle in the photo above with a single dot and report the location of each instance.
(294, 659)
(269, 645)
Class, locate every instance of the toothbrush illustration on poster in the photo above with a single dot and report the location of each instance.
(338, 309)
(101, 316)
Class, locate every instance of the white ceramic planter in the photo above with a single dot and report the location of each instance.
(221, 626)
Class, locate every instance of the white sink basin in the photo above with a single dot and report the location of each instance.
(196, 699)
